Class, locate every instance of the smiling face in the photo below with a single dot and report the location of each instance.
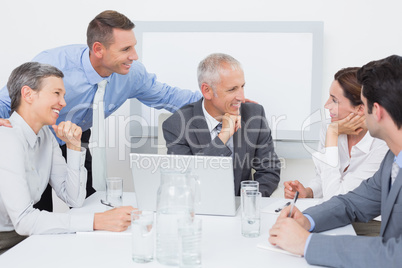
(229, 93)
(118, 56)
(338, 105)
(48, 101)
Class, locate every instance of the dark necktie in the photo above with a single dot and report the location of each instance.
(219, 128)
(229, 143)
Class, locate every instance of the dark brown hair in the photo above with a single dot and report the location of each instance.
(382, 84)
(347, 79)
(100, 29)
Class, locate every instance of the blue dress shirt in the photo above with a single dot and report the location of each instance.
(398, 159)
(81, 79)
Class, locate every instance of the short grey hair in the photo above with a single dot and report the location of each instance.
(209, 68)
(28, 74)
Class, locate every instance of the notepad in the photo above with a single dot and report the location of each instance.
(102, 232)
(302, 204)
(268, 246)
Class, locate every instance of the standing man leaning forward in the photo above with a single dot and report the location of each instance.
(379, 195)
(109, 54)
(244, 135)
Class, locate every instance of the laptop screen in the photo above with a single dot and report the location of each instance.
(214, 175)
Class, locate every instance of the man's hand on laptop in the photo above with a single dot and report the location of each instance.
(5, 122)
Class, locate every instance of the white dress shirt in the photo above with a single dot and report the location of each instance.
(28, 162)
(330, 164)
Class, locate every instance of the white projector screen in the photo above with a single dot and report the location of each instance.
(282, 62)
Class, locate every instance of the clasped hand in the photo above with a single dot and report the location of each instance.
(230, 124)
(352, 124)
(70, 133)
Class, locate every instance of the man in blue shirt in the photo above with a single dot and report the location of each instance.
(109, 54)
(379, 195)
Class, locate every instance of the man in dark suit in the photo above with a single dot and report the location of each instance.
(379, 195)
(220, 124)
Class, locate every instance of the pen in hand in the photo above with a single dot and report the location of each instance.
(106, 203)
(293, 204)
(279, 209)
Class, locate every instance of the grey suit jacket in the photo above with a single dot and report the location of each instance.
(186, 133)
(372, 198)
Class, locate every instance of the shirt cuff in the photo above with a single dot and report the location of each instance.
(306, 245)
(315, 186)
(82, 222)
(76, 159)
(312, 222)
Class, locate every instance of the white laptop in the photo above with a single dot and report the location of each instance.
(215, 175)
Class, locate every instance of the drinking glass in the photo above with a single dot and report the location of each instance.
(114, 191)
(142, 230)
(249, 185)
(250, 213)
(190, 234)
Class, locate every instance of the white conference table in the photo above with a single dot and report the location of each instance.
(222, 244)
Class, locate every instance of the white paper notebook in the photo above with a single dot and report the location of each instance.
(301, 204)
(269, 246)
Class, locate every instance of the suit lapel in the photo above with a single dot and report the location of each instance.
(388, 195)
(239, 149)
(199, 123)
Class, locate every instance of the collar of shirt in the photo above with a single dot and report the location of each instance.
(364, 145)
(398, 159)
(17, 121)
(211, 122)
(92, 76)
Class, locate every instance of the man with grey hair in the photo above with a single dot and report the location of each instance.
(220, 124)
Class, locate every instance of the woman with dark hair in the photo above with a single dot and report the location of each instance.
(347, 153)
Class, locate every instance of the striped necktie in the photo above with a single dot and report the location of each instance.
(394, 172)
(218, 128)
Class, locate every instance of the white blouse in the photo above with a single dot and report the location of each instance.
(330, 164)
(28, 162)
